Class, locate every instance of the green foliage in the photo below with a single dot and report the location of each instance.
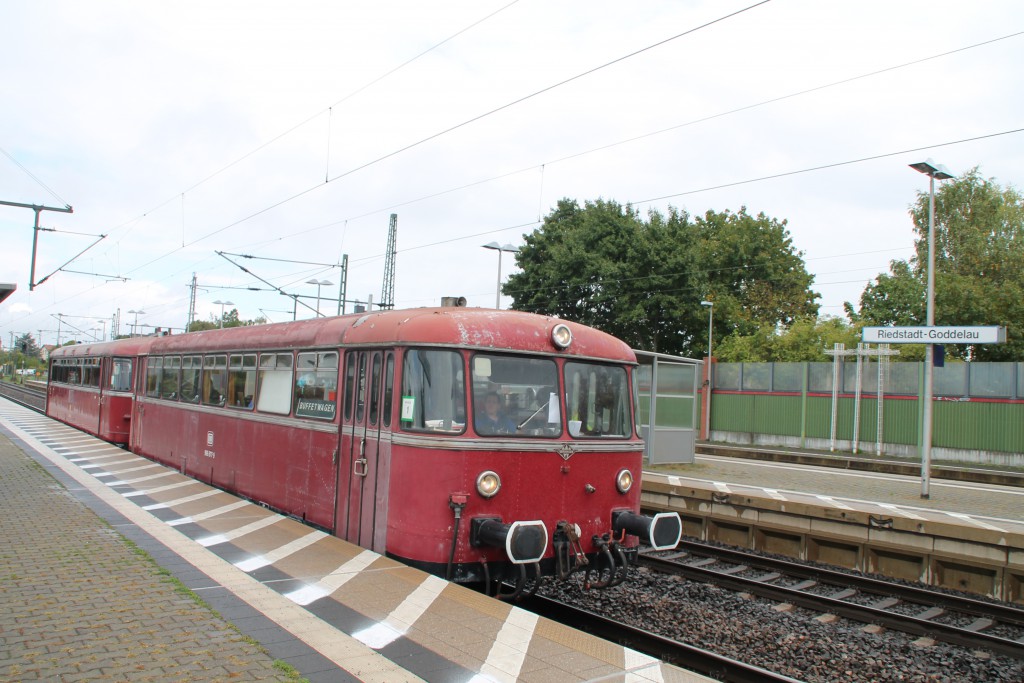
(641, 280)
(231, 319)
(979, 267)
(804, 340)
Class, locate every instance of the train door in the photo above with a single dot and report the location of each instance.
(136, 382)
(364, 462)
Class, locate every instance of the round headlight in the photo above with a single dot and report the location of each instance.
(561, 336)
(624, 481)
(488, 484)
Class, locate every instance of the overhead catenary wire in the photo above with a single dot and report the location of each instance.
(458, 126)
(611, 145)
(688, 191)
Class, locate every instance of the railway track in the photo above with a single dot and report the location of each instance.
(951, 618)
(30, 397)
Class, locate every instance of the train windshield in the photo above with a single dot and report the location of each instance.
(597, 400)
(515, 396)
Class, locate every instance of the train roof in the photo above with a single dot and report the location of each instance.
(450, 326)
(133, 346)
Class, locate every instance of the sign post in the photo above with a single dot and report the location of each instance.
(931, 335)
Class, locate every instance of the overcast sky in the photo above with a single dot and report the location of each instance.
(291, 131)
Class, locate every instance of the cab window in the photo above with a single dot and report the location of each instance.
(597, 400)
(515, 396)
(433, 391)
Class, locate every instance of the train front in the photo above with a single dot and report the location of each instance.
(527, 465)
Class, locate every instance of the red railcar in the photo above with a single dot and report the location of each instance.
(479, 445)
(91, 386)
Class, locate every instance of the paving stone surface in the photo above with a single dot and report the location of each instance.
(80, 603)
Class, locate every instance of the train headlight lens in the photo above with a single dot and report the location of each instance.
(488, 484)
(561, 336)
(624, 481)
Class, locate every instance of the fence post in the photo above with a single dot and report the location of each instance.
(803, 404)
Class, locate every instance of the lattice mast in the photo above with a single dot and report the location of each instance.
(387, 294)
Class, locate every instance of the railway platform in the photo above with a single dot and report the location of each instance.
(117, 568)
(967, 535)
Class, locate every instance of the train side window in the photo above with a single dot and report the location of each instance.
(215, 376)
(316, 385)
(121, 375)
(91, 372)
(275, 383)
(389, 388)
(433, 391)
(350, 383)
(154, 368)
(375, 390)
(242, 380)
(170, 380)
(190, 371)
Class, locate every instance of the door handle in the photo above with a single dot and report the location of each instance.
(359, 467)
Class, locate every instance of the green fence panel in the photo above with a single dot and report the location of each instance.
(978, 425)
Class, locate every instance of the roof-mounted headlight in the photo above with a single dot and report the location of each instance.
(561, 336)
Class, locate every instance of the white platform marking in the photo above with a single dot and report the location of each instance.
(240, 531)
(401, 619)
(138, 479)
(637, 662)
(833, 502)
(333, 581)
(254, 563)
(976, 522)
(901, 511)
(210, 513)
(505, 660)
(179, 501)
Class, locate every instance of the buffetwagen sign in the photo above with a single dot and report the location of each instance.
(934, 335)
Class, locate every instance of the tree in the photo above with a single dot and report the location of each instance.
(979, 267)
(752, 272)
(643, 280)
(27, 346)
(594, 265)
(804, 340)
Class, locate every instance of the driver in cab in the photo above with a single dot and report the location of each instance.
(492, 420)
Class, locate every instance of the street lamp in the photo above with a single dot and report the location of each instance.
(707, 387)
(134, 324)
(319, 284)
(222, 305)
(934, 172)
(499, 248)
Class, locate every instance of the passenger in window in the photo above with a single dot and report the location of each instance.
(492, 420)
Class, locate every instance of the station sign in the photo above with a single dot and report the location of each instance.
(934, 335)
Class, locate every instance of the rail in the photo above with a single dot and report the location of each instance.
(948, 617)
(25, 395)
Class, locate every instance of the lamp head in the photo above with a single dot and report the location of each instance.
(932, 169)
